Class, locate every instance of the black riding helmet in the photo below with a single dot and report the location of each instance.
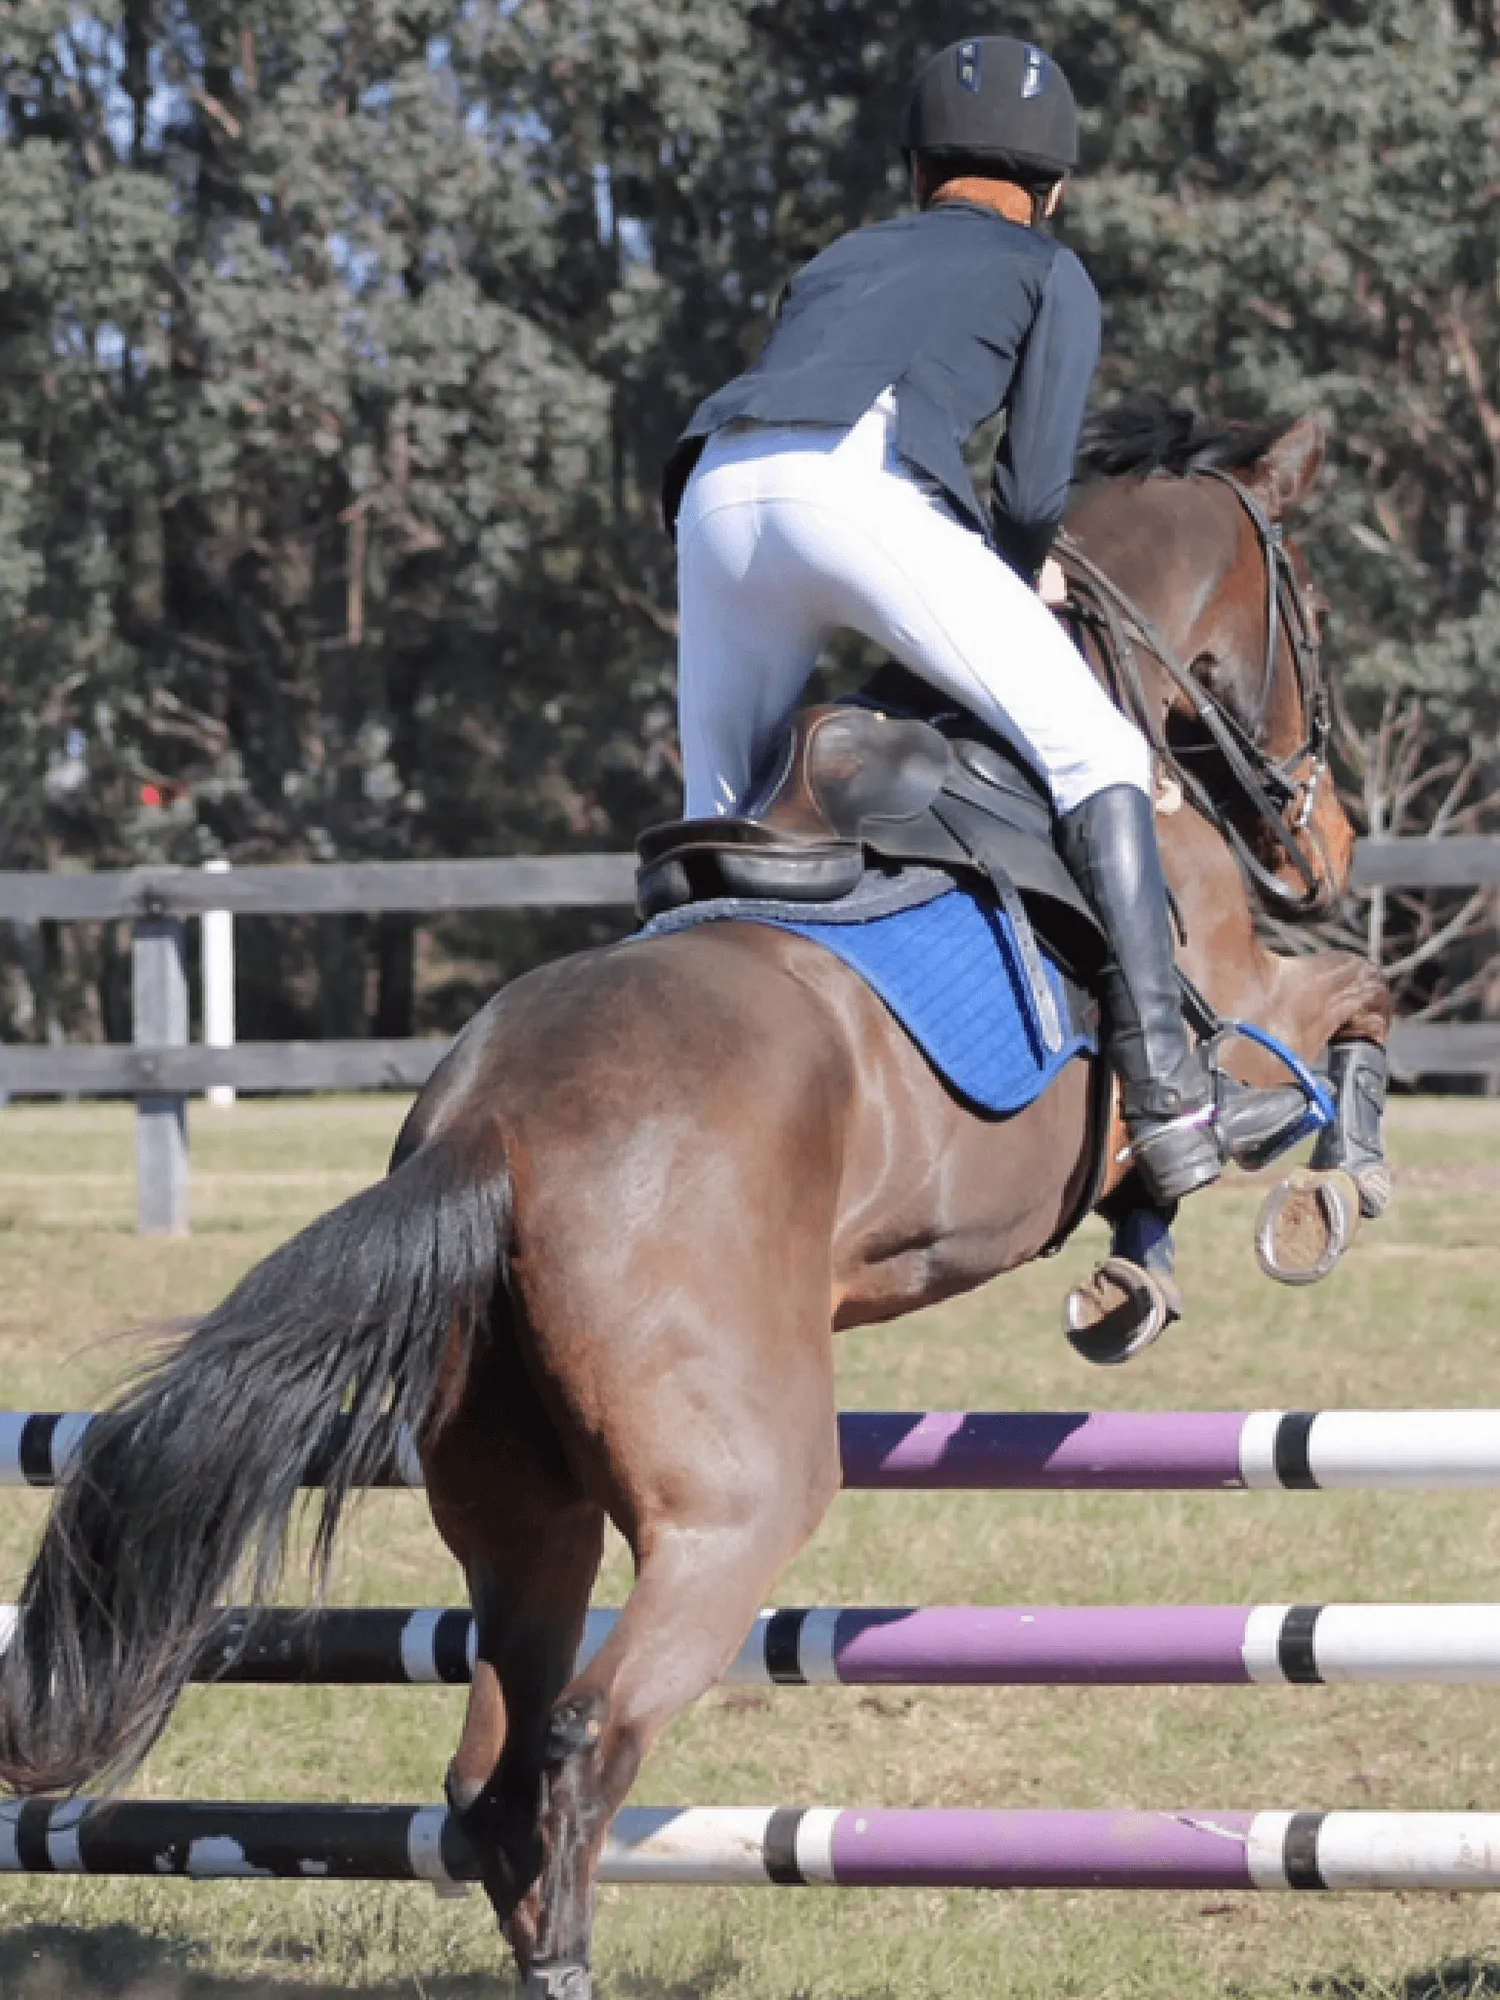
(998, 100)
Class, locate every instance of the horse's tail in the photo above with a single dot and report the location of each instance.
(187, 1486)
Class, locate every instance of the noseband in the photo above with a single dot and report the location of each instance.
(1280, 793)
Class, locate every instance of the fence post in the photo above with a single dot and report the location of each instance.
(160, 993)
(216, 945)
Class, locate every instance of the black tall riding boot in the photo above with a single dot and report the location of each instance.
(1167, 1086)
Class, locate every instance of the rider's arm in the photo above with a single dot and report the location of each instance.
(1034, 465)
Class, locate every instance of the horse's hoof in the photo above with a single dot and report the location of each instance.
(1122, 1308)
(1374, 1184)
(1306, 1223)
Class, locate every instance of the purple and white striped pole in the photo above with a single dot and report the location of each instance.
(1173, 1449)
(1119, 1450)
(940, 1646)
(1118, 1645)
(707, 1847)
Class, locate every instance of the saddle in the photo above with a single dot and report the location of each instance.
(891, 780)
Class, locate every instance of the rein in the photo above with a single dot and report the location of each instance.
(1267, 785)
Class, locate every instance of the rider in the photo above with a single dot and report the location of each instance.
(825, 490)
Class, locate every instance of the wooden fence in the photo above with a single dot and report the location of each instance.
(161, 1069)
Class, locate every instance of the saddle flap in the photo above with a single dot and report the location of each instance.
(861, 765)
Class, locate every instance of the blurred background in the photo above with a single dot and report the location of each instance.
(341, 342)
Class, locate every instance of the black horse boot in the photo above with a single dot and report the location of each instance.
(1181, 1130)
(1355, 1142)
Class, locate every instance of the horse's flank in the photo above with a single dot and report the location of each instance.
(825, 1123)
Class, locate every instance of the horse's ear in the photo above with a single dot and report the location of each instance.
(1287, 473)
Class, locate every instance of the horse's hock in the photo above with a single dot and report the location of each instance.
(953, 1646)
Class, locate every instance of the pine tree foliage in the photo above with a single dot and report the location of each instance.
(340, 347)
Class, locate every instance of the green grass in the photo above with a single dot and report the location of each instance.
(1411, 1319)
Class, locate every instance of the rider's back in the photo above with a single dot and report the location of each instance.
(939, 305)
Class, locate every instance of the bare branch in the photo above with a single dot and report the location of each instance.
(1459, 341)
(1469, 920)
(221, 115)
(1445, 1005)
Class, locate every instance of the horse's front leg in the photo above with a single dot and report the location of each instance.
(1330, 1000)
(1339, 1001)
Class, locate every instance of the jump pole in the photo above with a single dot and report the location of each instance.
(1268, 1645)
(780, 1847)
(1116, 1450)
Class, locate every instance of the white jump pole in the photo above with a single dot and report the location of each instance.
(217, 947)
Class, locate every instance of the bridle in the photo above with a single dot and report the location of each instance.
(1281, 793)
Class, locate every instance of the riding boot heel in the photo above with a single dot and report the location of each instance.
(1175, 1159)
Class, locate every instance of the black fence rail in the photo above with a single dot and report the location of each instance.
(161, 1069)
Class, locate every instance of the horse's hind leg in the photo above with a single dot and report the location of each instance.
(509, 1507)
(715, 1496)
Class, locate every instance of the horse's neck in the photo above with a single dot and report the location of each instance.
(1219, 949)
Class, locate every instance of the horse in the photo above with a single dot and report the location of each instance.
(602, 1277)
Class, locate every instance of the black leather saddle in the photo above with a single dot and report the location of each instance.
(878, 783)
(888, 781)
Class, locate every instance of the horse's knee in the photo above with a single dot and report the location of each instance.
(1328, 997)
(1371, 1011)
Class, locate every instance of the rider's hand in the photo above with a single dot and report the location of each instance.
(1052, 585)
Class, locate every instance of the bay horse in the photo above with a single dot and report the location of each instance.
(601, 1282)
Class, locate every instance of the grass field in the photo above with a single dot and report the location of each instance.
(1412, 1319)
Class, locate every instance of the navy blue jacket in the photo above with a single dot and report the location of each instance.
(964, 314)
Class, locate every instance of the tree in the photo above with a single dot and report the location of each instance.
(340, 348)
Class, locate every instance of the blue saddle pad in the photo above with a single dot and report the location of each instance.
(950, 971)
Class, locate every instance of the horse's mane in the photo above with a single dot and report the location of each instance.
(1150, 433)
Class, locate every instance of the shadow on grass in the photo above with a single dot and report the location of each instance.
(1454, 1979)
(118, 1962)
(720, 1969)
(715, 1971)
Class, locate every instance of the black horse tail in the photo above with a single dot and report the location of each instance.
(188, 1485)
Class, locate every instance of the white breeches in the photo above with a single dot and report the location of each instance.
(789, 534)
